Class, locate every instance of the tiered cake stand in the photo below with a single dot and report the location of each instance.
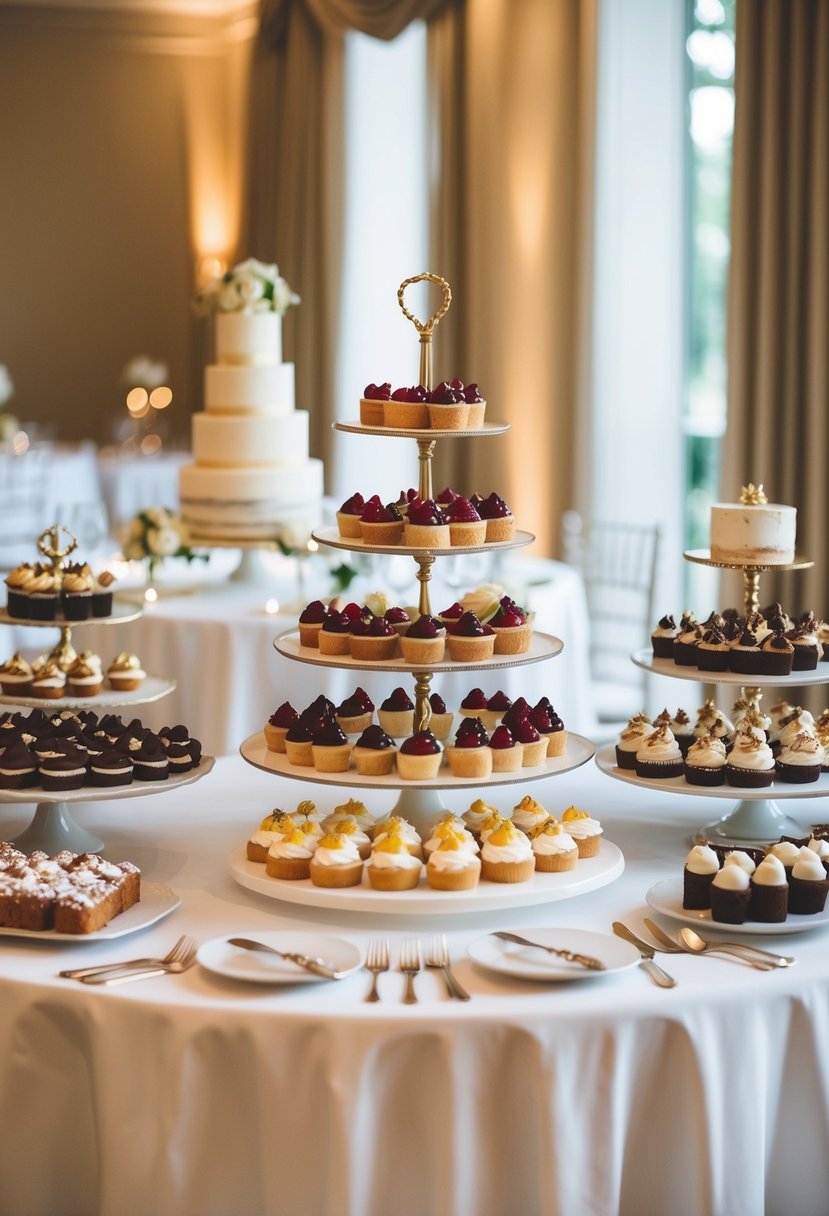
(421, 802)
(756, 818)
(53, 828)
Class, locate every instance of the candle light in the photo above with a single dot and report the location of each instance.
(272, 607)
(150, 595)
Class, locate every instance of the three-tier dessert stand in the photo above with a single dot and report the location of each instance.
(53, 827)
(420, 802)
(756, 818)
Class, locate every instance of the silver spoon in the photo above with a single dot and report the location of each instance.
(698, 945)
(318, 965)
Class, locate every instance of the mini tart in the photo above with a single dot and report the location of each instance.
(418, 765)
(124, 673)
(275, 732)
(374, 753)
(348, 525)
(396, 722)
(374, 648)
(512, 639)
(509, 758)
(451, 867)
(452, 416)
(418, 651)
(309, 632)
(334, 641)
(426, 536)
(467, 533)
(372, 411)
(331, 759)
(383, 532)
(299, 752)
(477, 409)
(470, 761)
(408, 415)
(392, 867)
(464, 649)
(440, 724)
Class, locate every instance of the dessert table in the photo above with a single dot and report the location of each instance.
(193, 1093)
(215, 637)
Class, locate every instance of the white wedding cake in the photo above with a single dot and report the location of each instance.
(252, 474)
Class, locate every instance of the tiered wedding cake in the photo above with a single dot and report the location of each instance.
(252, 474)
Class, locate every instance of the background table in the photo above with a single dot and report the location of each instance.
(216, 640)
(192, 1094)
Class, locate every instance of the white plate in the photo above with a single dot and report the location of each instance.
(254, 967)
(254, 749)
(677, 671)
(778, 790)
(157, 901)
(542, 646)
(589, 874)
(525, 963)
(666, 897)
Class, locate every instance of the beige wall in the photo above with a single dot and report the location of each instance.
(121, 139)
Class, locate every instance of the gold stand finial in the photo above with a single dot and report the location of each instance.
(49, 544)
(425, 328)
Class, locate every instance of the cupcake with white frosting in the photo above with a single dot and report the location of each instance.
(701, 865)
(452, 866)
(392, 867)
(808, 884)
(290, 856)
(688, 636)
(659, 756)
(450, 826)
(705, 762)
(820, 846)
(507, 855)
(682, 730)
(554, 849)
(631, 739)
(730, 895)
(477, 815)
(585, 830)
(529, 814)
(336, 862)
(787, 853)
(750, 763)
(801, 759)
(769, 888)
(272, 828)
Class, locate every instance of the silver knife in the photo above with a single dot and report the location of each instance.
(647, 962)
(584, 960)
(317, 965)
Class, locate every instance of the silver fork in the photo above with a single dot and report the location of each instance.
(377, 960)
(437, 955)
(179, 949)
(184, 962)
(410, 965)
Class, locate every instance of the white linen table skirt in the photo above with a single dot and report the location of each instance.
(192, 1095)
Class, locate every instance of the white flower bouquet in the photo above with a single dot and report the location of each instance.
(251, 286)
(154, 534)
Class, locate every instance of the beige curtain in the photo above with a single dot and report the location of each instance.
(778, 341)
(511, 85)
(514, 87)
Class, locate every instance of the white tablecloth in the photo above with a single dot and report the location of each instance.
(217, 640)
(195, 1095)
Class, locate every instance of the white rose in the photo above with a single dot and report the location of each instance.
(158, 516)
(283, 297)
(377, 602)
(136, 530)
(249, 287)
(228, 299)
(163, 542)
(262, 305)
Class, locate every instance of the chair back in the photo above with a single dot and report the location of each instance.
(618, 562)
(23, 481)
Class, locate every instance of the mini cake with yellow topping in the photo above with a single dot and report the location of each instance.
(336, 862)
(394, 825)
(290, 856)
(85, 678)
(555, 850)
(477, 815)
(49, 681)
(354, 810)
(529, 814)
(273, 827)
(586, 831)
(507, 855)
(450, 825)
(453, 865)
(125, 673)
(392, 866)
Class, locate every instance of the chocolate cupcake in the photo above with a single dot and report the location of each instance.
(682, 730)
(76, 592)
(102, 588)
(745, 655)
(701, 865)
(149, 760)
(808, 884)
(750, 763)
(659, 756)
(806, 647)
(685, 643)
(800, 760)
(730, 895)
(705, 761)
(787, 853)
(44, 595)
(777, 655)
(769, 889)
(713, 651)
(663, 637)
(111, 767)
(18, 769)
(64, 772)
(17, 594)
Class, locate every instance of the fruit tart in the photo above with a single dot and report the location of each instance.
(426, 526)
(374, 752)
(469, 641)
(277, 725)
(406, 409)
(311, 621)
(396, 714)
(348, 516)
(424, 641)
(507, 751)
(500, 521)
(379, 524)
(512, 628)
(419, 757)
(391, 866)
(373, 404)
(372, 639)
(471, 755)
(466, 528)
(448, 407)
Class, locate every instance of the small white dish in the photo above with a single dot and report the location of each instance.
(666, 897)
(257, 967)
(528, 963)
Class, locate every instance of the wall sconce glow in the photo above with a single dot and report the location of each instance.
(150, 595)
(272, 607)
(20, 443)
(138, 402)
(161, 397)
(208, 268)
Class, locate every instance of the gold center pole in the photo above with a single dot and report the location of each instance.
(425, 561)
(64, 646)
(751, 590)
(423, 710)
(426, 358)
(425, 452)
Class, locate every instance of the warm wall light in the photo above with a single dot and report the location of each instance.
(161, 397)
(138, 402)
(208, 268)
